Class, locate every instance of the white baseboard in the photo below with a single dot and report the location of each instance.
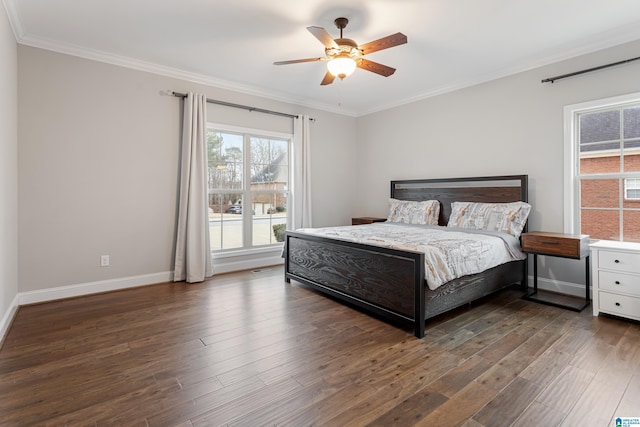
(5, 323)
(70, 291)
(221, 267)
(81, 289)
(558, 286)
(44, 295)
(51, 294)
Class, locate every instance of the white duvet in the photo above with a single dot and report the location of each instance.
(449, 252)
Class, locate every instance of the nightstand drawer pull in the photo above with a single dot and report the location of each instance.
(617, 282)
(549, 242)
(617, 261)
(617, 304)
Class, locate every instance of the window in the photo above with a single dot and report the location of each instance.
(602, 171)
(632, 189)
(249, 185)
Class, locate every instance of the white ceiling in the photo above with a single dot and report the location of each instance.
(233, 43)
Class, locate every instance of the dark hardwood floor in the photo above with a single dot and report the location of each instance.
(247, 349)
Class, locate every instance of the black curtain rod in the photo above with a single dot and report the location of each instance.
(564, 76)
(244, 107)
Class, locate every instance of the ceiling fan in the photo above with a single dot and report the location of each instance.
(344, 55)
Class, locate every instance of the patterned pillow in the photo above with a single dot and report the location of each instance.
(506, 217)
(410, 212)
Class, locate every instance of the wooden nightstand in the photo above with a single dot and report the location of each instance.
(366, 220)
(574, 246)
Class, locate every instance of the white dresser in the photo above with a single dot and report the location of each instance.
(616, 278)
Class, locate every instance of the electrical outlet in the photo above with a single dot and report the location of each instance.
(104, 261)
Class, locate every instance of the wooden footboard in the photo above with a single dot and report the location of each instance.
(387, 282)
(384, 281)
(390, 282)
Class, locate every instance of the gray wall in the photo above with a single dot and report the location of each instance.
(98, 166)
(513, 125)
(98, 156)
(8, 170)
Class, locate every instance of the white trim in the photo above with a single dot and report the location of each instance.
(249, 131)
(228, 267)
(51, 294)
(246, 192)
(616, 245)
(634, 186)
(162, 70)
(571, 183)
(14, 20)
(598, 42)
(244, 252)
(81, 289)
(595, 43)
(560, 287)
(70, 291)
(5, 323)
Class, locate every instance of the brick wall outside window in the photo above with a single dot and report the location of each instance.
(604, 223)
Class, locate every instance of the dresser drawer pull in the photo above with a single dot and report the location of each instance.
(617, 261)
(617, 304)
(617, 282)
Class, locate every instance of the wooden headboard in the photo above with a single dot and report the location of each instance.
(489, 189)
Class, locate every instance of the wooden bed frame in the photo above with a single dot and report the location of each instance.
(390, 282)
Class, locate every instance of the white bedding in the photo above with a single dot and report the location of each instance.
(449, 253)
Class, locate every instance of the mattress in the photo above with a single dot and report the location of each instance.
(450, 253)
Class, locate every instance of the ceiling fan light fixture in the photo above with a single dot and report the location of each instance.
(341, 66)
(344, 55)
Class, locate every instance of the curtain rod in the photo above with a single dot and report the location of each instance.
(243, 107)
(564, 76)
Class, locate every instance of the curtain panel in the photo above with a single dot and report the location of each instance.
(192, 247)
(302, 172)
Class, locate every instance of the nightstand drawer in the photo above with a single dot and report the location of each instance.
(574, 246)
(619, 282)
(620, 304)
(366, 220)
(619, 261)
(557, 244)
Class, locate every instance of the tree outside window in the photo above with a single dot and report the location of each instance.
(249, 182)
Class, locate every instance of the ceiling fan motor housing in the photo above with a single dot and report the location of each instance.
(345, 47)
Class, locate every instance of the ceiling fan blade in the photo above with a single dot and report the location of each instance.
(383, 43)
(324, 37)
(328, 79)
(297, 61)
(374, 67)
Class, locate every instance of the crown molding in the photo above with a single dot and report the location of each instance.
(14, 19)
(139, 65)
(23, 37)
(600, 42)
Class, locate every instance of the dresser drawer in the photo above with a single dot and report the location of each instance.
(620, 305)
(619, 282)
(619, 261)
